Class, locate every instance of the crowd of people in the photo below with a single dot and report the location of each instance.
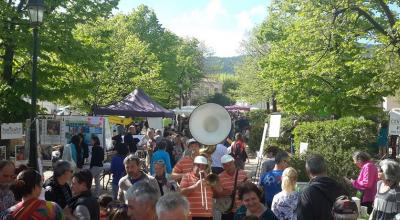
(166, 175)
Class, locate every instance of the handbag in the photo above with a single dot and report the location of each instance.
(226, 203)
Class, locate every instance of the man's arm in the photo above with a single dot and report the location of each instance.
(187, 190)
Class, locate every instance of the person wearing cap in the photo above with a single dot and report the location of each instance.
(197, 191)
(227, 183)
(344, 209)
(185, 164)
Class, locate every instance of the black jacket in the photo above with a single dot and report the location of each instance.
(131, 142)
(97, 157)
(54, 192)
(87, 200)
(316, 201)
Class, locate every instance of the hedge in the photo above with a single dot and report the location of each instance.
(257, 120)
(335, 140)
(344, 133)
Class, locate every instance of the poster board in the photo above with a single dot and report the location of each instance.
(88, 126)
(156, 123)
(394, 122)
(3, 152)
(11, 131)
(303, 147)
(50, 131)
(261, 150)
(274, 126)
(21, 154)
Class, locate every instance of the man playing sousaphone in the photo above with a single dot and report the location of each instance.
(198, 191)
(226, 190)
(185, 164)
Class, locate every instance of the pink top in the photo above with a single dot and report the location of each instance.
(366, 181)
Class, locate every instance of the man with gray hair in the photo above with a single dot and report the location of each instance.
(142, 199)
(133, 176)
(172, 206)
(317, 199)
(56, 187)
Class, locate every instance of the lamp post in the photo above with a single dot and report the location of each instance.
(35, 10)
(180, 94)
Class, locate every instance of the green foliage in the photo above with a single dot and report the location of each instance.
(12, 107)
(89, 58)
(339, 163)
(344, 133)
(252, 88)
(257, 119)
(219, 99)
(317, 62)
(226, 65)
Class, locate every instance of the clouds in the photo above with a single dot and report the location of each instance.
(220, 24)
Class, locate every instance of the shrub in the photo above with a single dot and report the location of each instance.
(335, 140)
(344, 133)
(257, 120)
(340, 164)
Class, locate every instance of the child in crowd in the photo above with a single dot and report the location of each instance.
(104, 200)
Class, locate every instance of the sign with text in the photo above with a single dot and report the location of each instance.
(11, 131)
(394, 122)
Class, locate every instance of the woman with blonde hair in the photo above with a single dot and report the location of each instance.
(284, 203)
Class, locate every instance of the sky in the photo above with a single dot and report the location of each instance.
(220, 24)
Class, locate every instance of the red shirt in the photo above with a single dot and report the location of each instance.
(194, 198)
(227, 183)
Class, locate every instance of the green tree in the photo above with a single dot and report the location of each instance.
(253, 88)
(134, 50)
(60, 53)
(319, 63)
(219, 98)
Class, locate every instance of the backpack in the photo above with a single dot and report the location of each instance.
(238, 151)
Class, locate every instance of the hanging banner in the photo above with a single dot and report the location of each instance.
(3, 152)
(274, 126)
(11, 131)
(119, 120)
(88, 126)
(394, 122)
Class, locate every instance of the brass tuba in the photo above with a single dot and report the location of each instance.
(209, 124)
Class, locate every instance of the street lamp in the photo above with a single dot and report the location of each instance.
(180, 94)
(35, 10)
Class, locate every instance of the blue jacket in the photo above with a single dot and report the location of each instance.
(117, 168)
(161, 155)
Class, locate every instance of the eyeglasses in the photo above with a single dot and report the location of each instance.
(161, 162)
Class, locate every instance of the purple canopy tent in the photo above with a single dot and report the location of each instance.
(136, 104)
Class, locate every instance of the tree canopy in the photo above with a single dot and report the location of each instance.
(328, 58)
(89, 57)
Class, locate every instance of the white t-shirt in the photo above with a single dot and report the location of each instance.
(220, 151)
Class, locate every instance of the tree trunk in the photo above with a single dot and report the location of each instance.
(8, 61)
(268, 107)
(273, 100)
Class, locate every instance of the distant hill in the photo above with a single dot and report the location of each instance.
(215, 65)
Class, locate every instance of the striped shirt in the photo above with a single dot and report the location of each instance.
(227, 183)
(184, 165)
(386, 204)
(194, 198)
